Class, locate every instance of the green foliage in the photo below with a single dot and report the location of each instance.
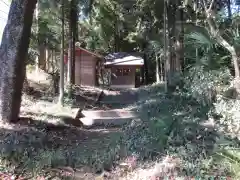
(34, 151)
(169, 123)
(146, 139)
(148, 135)
(204, 84)
(228, 109)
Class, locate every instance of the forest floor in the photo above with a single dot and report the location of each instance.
(172, 136)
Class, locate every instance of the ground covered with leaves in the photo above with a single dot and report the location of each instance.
(176, 134)
(191, 132)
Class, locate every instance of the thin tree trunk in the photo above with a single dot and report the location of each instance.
(92, 37)
(166, 63)
(116, 40)
(37, 21)
(142, 75)
(214, 31)
(41, 41)
(116, 35)
(69, 67)
(235, 61)
(13, 54)
(61, 84)
(162, 71)
(47, 58)
(157, 70)
(229, 9)
(70, 57)
(77, 28)
(42, 56)
(179, 38)
(146, 78)
(196, 14)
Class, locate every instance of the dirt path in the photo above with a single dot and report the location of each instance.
(119, 99)
(112, 109)
(84, 151)
(55, 144)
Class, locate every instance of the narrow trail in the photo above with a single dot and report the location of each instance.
(112, 111)
(84, 151)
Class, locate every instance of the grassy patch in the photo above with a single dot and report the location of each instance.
(38, 149)
(169, 125)
(176, 124)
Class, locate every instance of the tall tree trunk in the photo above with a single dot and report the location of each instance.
(41, 40)
(47, 58)
(179, 38)
(171, 17)
(169, 29)
(42, 56)
(92, 37)
(61, 83)
(13, 54)
(69, 63)
(196, 7)
(146, 77)
(142, 75)
(70, 53)
(74, 20)
(158, 79)
(229, 9)
(77, 26)
(162, 69)
(116, 40)
(37, 24)
(165, 51)
(214, 31)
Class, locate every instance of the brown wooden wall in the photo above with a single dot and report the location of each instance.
(126, 80)
(85, 70)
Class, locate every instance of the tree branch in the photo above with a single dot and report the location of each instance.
(214, 31)
(211, 5)
(208, 10)
(204, 5)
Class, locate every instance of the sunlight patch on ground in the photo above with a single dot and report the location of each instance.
(40, 110)
(167, 167)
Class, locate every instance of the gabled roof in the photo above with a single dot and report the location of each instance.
(89, 52)
(124, 58)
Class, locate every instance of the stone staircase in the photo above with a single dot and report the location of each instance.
(115, 117)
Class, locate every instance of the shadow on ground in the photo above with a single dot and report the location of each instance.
(176, 124)
(173, 124)
(31, 146)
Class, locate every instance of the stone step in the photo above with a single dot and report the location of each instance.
(116, 117)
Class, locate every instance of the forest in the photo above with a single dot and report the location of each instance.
(182, 122)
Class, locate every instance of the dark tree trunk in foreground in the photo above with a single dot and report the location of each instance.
(74, 20)
(13, 54)
(70, 52)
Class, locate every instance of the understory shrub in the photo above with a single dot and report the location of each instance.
(174, 123)
(146, 139)
(158, 112)
(204, 85)
(229, 114)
